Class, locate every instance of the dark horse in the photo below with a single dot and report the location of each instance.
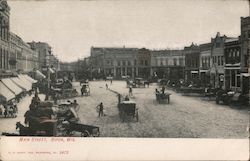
(146, 83)
(23, 131)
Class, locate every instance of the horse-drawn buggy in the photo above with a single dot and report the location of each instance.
(162, 97)
(85, 90)
(138, 83)
(64, 90)
(128, 109)
(84, 130)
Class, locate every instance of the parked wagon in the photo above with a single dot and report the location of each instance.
(128, 109)
(85, 130)
(163, 97)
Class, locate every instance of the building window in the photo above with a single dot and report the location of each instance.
(217, 45)
(218, 60)
(233, 78)
(135, 62)
(146, 63)
(166, 60)
(175, 61)
(119, 63)
(107, 62)
(222, 61)
(124, 63)
(141, 62)
(129, 63)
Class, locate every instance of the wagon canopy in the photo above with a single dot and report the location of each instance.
(5, 93)
(12, 86)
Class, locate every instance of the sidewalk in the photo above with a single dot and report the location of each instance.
(9, 124)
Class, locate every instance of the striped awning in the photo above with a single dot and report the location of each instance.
(5, 93)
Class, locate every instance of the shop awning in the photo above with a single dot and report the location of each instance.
(28, 78)
(25, 80)
(51, 70)
(245, 74)
(12, 86)
(194, 72)
(39, 75)
(21, 83)
(5, 93)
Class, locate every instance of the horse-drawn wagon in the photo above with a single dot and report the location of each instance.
(128, 109)
(85, 90)
(163, 97)
(84, 130)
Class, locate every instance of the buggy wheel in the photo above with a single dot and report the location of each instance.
(85, 134)
(137, 116)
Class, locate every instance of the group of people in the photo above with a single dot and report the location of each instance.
(9, 110)
(162, 90)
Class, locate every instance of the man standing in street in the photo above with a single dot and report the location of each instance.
(100, 109)
(130, 91)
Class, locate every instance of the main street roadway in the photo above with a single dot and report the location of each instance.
(184, 117)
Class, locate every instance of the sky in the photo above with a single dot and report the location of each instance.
(72, 27)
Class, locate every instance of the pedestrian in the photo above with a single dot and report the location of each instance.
(100, 110)
(163, 89)
(130, 91)
(111, 81)
(119, 98)
(76, 105)
(126, 98)
(107, 86)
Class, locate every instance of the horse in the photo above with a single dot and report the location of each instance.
(23, 131)
(146, 83)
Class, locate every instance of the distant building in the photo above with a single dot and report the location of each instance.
(245, 54)
(118, 62)
(4, 34)
(22, 57)
(232, 52)
(45, 56)
(168, 64)
(192, 63)
(205, 64)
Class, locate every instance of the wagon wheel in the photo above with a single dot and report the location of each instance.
(137, 116)
(85, 133)
(122, 116)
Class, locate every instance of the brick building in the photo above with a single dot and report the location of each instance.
(118, 62)
(204, 69)
(245, 54)
(45, 56)
(4, 34)
(232, 53)
(192, 63)
(22, 57)
(168, 64)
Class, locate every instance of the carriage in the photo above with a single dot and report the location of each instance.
(84, 130)
(128, 109)
(163, 97)
(85, 90)
(65, 93)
